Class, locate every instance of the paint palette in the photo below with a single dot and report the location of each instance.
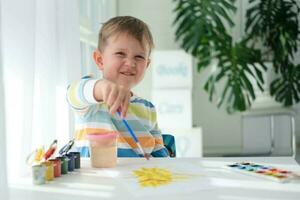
(263, 171)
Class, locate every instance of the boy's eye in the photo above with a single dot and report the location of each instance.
(120, 53)
(140, 57)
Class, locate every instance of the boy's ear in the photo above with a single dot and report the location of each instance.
(148, 62)
(98, 59)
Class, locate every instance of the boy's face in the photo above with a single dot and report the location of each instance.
(123, 60)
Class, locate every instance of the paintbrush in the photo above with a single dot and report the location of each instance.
(134, 137)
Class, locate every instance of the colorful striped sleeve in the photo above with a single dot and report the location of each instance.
(80, 94)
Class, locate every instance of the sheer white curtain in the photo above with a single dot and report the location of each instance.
(3, 180)
(41, 55)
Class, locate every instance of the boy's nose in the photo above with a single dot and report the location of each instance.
(131, 63)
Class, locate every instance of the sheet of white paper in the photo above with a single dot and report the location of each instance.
(196, 178)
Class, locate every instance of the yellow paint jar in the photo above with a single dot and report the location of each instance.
(49, 172)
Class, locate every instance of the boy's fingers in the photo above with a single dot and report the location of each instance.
(112, 98)
(113, 109)
(117, 104)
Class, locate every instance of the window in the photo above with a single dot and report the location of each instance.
(92, 14)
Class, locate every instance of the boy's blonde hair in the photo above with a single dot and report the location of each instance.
(126, 24)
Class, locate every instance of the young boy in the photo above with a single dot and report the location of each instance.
(123, 52)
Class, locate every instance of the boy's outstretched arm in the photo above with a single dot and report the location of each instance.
(78, 97)
(87, 91)
(117, 97)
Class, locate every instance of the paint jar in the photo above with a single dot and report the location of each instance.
(77, 159)
(103, 149)
(57, 167)
(49, 172)
(64, 164)
(71, 162)
(38, 174)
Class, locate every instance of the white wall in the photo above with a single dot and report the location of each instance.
(221, 132)
(3, 175)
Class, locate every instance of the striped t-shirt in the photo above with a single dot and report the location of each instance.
(94, 117)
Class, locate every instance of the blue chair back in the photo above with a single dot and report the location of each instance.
(169, 143)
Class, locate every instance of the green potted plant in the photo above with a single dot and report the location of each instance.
(202, 30)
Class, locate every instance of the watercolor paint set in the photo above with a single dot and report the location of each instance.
(263, 171)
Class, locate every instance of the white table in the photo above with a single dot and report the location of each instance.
(89, 184)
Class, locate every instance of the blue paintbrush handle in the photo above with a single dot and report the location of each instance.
(133, 136)
(129, 129)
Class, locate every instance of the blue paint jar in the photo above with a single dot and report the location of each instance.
(77, 159)
(71, 162)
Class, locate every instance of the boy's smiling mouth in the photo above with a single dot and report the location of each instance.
(127, 73)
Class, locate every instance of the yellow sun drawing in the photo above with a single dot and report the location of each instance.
(154, 177)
